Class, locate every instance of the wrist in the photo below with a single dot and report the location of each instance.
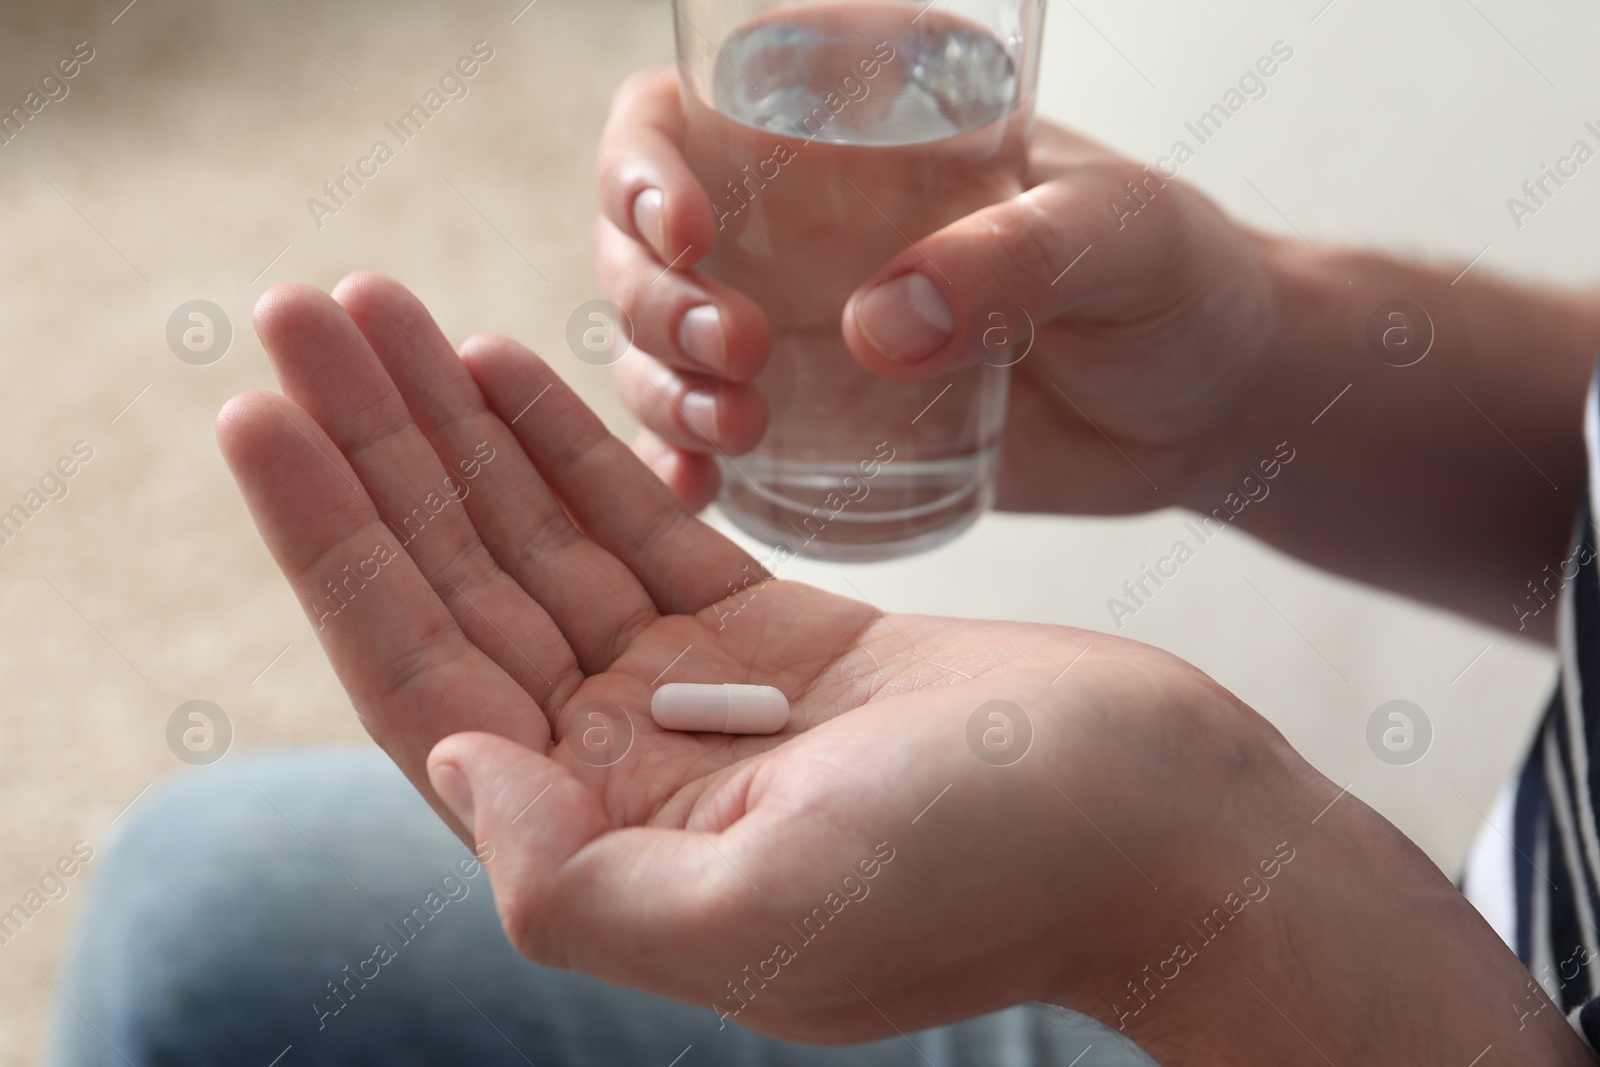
(1307, 304)
(1437, 414)
(1335, 322)
(1311, 930)
(1319, 308)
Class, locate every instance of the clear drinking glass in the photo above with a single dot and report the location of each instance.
(830, 135)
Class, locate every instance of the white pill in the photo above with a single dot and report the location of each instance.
(719, 709)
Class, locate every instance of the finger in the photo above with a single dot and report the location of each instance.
(411, 673)
(646, 187)
(595, 601)
(688, 320)
(694, 478)
(626, 905)
(1055, 251)
(684, 564)
(691, 411)
(328, 369)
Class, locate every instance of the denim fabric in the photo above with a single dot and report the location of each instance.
(238, 919)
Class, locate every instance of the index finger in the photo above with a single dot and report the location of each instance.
(646, 186)
(411, 673)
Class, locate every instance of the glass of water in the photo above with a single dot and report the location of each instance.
(830, 135)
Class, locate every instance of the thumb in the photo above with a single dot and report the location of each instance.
(525, 815)
(648, 906)
(980, 287)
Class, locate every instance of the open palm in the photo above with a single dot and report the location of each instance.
(479, 553)
(500, 584)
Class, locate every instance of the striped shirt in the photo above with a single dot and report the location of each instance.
(1535, 870)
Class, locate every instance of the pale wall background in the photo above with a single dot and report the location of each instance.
(179, 166)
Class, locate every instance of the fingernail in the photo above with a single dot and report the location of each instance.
(906, 318)
(700, 337)
(700, 412)
(454, 789)
(647, 220)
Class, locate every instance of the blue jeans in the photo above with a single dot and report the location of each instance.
(308, 908)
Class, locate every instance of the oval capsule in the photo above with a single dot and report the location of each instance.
(719, 709)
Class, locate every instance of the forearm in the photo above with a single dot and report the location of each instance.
(1358, 958)
(1307, 929)
(1455, 479)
